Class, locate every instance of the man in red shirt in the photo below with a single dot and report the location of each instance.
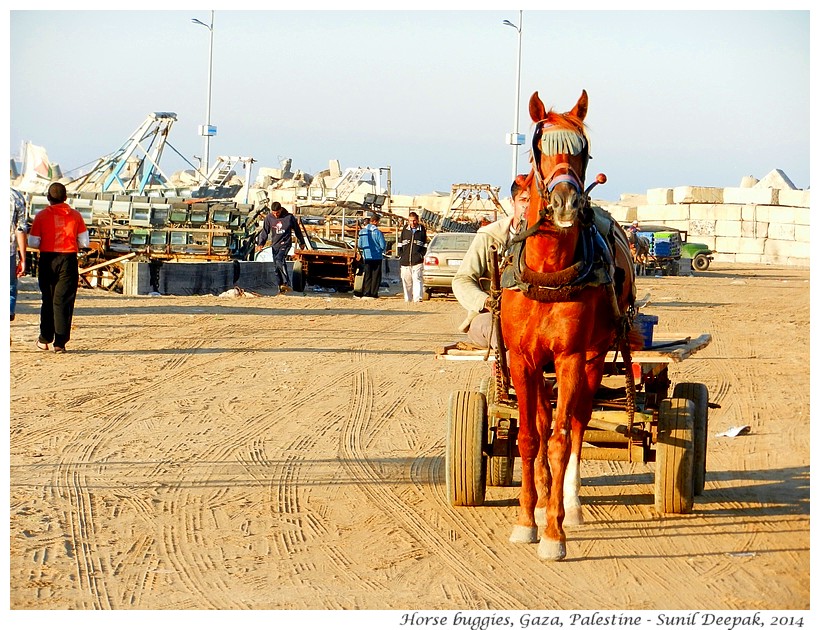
(59, 232)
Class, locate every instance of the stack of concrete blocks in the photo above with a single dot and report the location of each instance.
(198, 278)
(760, 222)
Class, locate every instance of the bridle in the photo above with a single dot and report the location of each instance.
(574, 143)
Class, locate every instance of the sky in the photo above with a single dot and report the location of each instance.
(676, 98)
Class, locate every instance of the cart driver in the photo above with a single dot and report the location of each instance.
(472, 280)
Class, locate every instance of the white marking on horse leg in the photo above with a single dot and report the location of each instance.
(524, 534)
(573, 513)
(552, 549)
(541, 516)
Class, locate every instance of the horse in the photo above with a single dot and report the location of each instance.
(639, 247)
(573, 299)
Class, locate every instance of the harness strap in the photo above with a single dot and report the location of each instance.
(570, 176)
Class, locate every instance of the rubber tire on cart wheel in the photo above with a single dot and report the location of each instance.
(298, 278)
(426, 294)
(699, 395)
(499, 467)
(700, 262)
(466, 463)
(674, 486)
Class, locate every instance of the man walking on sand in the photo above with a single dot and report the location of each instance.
(58, 232)
(280, 225)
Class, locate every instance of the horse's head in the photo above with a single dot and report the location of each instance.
(560, 153)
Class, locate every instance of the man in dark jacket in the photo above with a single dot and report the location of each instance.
(280, 225)
(412, 246)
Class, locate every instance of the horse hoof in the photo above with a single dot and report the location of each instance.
(524, 534)
(541, 516)
(573, 516)
(552, 549)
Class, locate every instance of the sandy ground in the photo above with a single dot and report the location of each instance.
(287, 452)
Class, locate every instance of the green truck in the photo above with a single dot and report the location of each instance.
(667, 246)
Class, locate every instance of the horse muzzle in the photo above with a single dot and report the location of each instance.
(565, 202)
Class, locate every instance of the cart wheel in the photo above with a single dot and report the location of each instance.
(466, 438)
(426, 294)
(298, 276)
(674, 486)
(499, 467)
(699, 395)
(700, 262)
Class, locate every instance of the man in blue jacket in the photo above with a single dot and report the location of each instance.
(280, 225)
(371, 244)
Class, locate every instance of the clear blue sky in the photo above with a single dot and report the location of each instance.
(676, 97)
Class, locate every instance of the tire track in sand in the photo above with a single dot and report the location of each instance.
(354, 458)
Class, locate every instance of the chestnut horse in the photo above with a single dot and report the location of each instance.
(573, 300)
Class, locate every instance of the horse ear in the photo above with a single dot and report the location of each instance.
(580, 109)
(537, 110)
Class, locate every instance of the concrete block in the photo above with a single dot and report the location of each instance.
(748, 229)
(802, 233)
(796, 198)
(749, 196)
(798, 262)
(619, 212)
(727, 244)
(715, 211)
(787, 214)
(751, 246)
(776, 179)
(697, 194)
(748, 181)
(701, 227)
(663, 213)
(659, 196)
(727, 228)
(781, 231)
(335, 168)
(786, 249)
(748, 213)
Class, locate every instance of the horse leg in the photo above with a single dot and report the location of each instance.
(573, 513)
(569, 371)
(542, 470)
(525, 529)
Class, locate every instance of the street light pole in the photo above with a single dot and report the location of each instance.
(207, 130)
(516, 139)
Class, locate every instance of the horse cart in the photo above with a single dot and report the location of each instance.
(669, 430)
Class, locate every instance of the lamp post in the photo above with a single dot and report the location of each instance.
(207, 130)
(516, 139)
